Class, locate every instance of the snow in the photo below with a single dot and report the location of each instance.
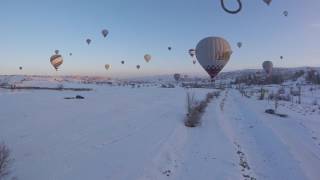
(138, 133)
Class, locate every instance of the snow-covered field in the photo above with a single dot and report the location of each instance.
(122, 133)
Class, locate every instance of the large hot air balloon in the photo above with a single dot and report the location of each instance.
(147, 57)
(192, 52)
(104, 33)
(239, 44)
(267, 66)
(138, 66)
(107, 66)
(88, 41)
(268, 2)
(177, 76)
(122, 62)
(213, 53)
(56, 60)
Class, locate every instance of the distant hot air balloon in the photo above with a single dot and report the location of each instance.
(177, 76)
(88, 41)
(56, 61)
(285, 13)
(70, 54)
(267, 67)
(192, 52)
(122, 62)
(194, 61)
(107, 66)
(147, 57)
(104, 33)
(213, 53)
(169, 48)
(20, 67)
(281, 57)
(268, 2)
(56, 51)
(239, 44)
(138, 66)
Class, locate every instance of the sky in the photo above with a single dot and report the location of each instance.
(31, 30)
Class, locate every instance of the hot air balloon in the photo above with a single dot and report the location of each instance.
(104, 33)
(20, 67)
(239, 44)
(268, 2)
(281, 57)
(122, 62)
(192, 52)
(169, 48)
(88, 41)
(138, 66)
(177, 77)
(107, 66)
(285, 13)
(56, 51)
(267, 66)
(56, 60)
(194, 61)
(70, 54)
(147, 57)
(213, 53)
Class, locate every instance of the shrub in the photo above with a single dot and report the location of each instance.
(4, 160)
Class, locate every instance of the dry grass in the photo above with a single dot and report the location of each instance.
(196, 109)
(5, 160)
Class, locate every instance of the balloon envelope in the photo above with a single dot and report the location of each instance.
(192, 52)
(177, 77)
(122, 62)
(20, 67)
(88, 41)
(213, 53)
(107, 66)
(138, 66)
(56, 51)
(147, 57)
(268, 2)
(56, 61)
(104, 32)
(267, 67)
(239, 44)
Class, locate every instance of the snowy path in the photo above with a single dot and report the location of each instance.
(276, 148)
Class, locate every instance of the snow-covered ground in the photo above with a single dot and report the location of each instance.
(122, 133)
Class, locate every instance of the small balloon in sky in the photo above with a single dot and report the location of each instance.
(268, 2)
(239, 44)
(147, 57)
(285, 13)
(192, 52)
(138, 66)
(122, 62)
(107, 66)
(56, 60)
(267, 67)
(104, 33)
(88, 41)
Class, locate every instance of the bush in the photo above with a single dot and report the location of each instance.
(4, 160)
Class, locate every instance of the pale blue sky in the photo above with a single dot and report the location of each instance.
(32, 29)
